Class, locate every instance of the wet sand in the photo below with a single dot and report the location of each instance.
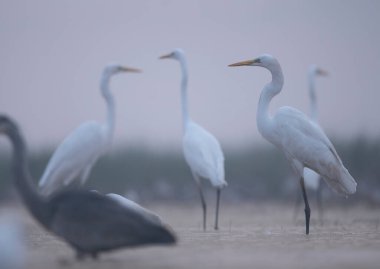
(250, 236)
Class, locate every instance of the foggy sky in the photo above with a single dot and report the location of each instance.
(52, 54)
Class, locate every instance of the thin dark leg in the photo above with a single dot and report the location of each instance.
(319, 203)
(217, 208)
(307, 207)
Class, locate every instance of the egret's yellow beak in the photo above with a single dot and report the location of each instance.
(130, 69)
(166, 56)
(249, 62)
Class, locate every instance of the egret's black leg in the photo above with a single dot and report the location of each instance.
(198, 182)
(319, 203)
(218, 191)
(307, 207)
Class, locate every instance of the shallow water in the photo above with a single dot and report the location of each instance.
(250, 236)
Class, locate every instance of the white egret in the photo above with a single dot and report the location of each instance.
(89, 222)
(202, 150)
(79, 151)
(303, 142)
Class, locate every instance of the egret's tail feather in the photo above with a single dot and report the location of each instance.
(349, 182)
(344, 184)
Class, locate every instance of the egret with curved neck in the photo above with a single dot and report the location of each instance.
(303, 142)
(78, 152)
(202, 150)
(88, 221)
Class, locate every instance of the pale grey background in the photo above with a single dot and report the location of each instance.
(52, 54)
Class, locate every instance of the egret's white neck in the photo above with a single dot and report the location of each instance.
(104, 86)
(184, 101)
(313, 97)
(274, 87)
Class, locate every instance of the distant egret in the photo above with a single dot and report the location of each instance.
(303, 142)
(80, 150)
(202, 150)
(88, 221)
(312, 179)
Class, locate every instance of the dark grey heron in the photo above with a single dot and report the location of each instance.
(88, 221)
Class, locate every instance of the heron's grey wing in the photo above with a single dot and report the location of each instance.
(92, 222)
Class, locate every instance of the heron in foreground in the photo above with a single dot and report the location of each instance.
(202, 150)
(303, 142)
(79, 151)
(88, 221)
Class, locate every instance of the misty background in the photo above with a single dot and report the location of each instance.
(52, 54)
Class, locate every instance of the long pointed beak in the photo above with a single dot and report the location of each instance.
(249, 62)
(166, 56)
(130, 69)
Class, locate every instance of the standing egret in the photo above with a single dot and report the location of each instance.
(303, 142)
(202, 150)
(79, 151)
(312, 179)
(88, 221)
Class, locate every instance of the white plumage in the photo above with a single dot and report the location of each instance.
(203, 154)
(305, 145)
(75, 156)
(303, 141)
(202, 150)
(78, 152)
(312, 179)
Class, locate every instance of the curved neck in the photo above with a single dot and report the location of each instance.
(313, 97)
(37, 205)
(274, 87)
(184, 101)
(104, 87)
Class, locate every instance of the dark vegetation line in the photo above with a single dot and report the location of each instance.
(252, 173)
